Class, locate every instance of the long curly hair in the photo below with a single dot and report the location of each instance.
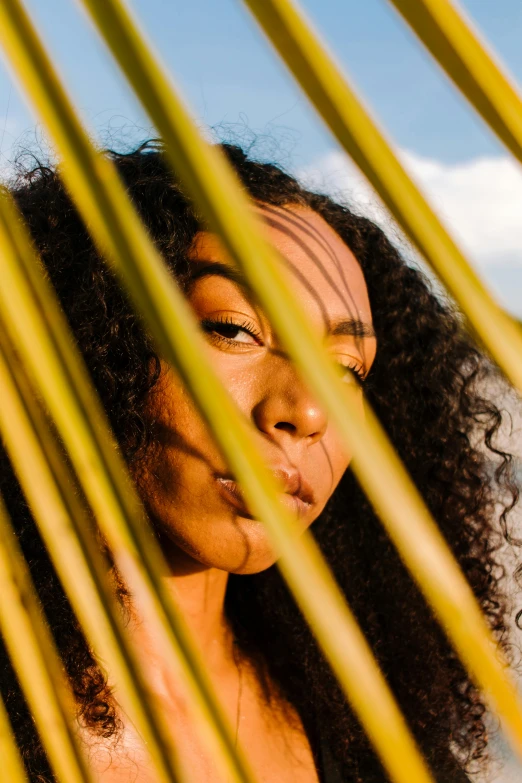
(426, 385)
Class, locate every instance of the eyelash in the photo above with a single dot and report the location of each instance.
(209, 326)
(357, 371)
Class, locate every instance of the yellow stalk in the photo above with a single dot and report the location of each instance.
(444, 30)
(29, 307)
(249, 478)
(387, 485)
(68, 532)
(348, 120)
(12, 763)
(36, 661)
(117, 229)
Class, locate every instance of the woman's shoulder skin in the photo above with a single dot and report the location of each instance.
(270, 735)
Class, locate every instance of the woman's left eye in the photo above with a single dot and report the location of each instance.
(347, 371)
(230, 331)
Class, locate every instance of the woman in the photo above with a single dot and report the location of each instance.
(383, 324)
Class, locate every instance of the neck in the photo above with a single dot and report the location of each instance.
(201, 597)
(199, 593)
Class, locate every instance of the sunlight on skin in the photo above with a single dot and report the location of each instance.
(204, 525)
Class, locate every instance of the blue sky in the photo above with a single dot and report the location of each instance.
(232, 80)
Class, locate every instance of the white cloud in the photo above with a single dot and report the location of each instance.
(480, 201)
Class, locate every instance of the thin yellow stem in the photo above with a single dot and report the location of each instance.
(36, 661)
(12, 763)
(444, 30)
(33, 317)
(391, 491)
(70, 538)
(118, 231)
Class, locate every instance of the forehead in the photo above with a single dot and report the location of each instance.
(320, 268)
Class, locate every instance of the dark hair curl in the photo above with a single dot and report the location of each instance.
(424, 385)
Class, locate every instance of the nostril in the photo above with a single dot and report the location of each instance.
(285, 425)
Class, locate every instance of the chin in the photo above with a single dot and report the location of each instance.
(241, 548)
(247, 551)
(256, 563)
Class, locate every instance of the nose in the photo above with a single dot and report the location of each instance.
(287, 408)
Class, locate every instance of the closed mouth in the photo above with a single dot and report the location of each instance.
(298, 502)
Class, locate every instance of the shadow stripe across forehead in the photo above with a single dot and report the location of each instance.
(352, 327)
(347, 299)
(299, 222)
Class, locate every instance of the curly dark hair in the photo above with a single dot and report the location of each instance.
(425, 386)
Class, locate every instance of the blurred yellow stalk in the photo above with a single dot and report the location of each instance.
(33, 317)
(101, 200)
(11, 761)
(212, 186)
(444, 30)
(69, 535)
(36, 660)
(108, 213)
(351, 124)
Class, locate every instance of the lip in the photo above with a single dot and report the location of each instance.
(297, 497)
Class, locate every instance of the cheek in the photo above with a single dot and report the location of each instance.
(178, 428)
(331, 458)
(335, 460)
(184, 442)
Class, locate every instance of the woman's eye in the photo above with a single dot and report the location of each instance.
(347, 372)
(230, 331)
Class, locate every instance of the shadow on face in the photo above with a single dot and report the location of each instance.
(187, 487)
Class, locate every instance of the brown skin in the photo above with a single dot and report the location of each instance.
(205, 534)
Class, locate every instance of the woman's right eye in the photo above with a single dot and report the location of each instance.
(230, 331)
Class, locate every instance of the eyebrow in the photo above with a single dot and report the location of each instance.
(348, 327)
(351, 327)
(203, 268)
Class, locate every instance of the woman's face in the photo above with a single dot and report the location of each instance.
(186, 485)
